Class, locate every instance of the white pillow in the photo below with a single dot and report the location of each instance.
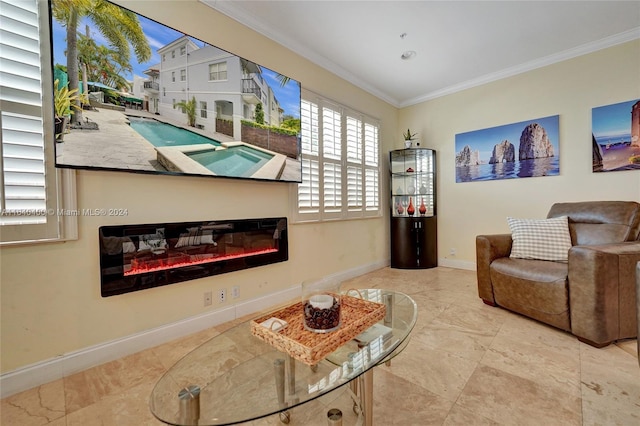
(540, 239)
(191, 238)
(153, 241)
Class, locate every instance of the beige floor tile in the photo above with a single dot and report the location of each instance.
(37, 406)
(547, 365)
(400, 402)
(629, 345)
(438, 372)
(610, 386)
(464, 331)
(90, 386)
(511, 400)
(130, 407)
(172, 352)
(459, 416)
(466, 364)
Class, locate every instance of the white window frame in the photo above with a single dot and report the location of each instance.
(183, 74)
(341, 140)
(53, 218)
(216, 73)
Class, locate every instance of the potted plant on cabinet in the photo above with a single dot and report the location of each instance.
(408, 138)
(63, 100)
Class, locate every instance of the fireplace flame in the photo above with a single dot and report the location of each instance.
(179, 260)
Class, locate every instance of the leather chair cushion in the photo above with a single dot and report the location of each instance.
(600, 222)
(535, 288)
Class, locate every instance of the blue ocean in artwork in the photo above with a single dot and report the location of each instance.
(617, 139)
(549, 166)
(493, 153)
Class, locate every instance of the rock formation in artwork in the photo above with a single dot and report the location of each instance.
(596, 155)
(534, 143)
(466, 157)
(504, 152)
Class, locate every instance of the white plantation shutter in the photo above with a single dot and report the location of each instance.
(354, 140)
(332, 183)
(354, 188)
(309, 128)
(340, 164)
(28, 181)
(354, 160)
(372, 168)
(21, 117)
(309, 189)
(372, 190)
(23, 169)
(331, 134)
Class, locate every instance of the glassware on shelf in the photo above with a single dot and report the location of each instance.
(410, 209)
(321, 301)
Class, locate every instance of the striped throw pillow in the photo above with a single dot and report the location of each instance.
(540, 239)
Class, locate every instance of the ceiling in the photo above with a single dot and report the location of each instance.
(458, 44)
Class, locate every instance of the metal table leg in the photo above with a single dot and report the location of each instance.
(366, 396)
(278, 365)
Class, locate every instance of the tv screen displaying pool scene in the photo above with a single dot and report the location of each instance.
(149, 98)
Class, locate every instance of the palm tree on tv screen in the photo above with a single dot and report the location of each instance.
(103, 64)
(119, 26)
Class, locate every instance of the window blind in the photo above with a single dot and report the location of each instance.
(340, 164)
(23, 196)
(31, 189)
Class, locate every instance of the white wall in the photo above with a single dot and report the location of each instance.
(569, 89)
(50, 293)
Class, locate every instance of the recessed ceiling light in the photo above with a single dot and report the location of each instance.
(409, 54)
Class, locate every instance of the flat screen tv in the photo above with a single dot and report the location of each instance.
(135, 95)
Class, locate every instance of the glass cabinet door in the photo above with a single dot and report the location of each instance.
(413, 182)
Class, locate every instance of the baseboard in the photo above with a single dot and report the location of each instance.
(457, 264)
(56, 368)
(64, 365)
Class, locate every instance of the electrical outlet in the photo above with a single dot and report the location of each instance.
(235, 291)
(207, 298)
(452, 252)
(222, 295)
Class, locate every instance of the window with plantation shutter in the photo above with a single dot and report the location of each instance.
(340, 163)
(29, 182)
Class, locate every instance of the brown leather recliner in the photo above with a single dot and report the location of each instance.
(593, 296)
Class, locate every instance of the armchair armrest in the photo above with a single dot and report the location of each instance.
(602, 293)
(489, 248)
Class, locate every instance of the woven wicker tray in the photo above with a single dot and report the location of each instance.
(308, 347)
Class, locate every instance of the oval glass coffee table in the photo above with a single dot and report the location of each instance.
(236, 377)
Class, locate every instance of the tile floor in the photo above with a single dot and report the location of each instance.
(466, 364)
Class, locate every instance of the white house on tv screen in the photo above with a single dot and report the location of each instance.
(225, 86)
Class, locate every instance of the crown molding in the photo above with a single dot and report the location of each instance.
(584, 49)
(233, 11)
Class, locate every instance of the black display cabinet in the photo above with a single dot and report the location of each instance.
(414, 231)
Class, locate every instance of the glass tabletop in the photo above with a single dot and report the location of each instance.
(236, 377)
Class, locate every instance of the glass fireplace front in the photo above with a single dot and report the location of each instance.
(136, 257)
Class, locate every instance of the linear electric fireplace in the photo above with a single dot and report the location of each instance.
(137, 257)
